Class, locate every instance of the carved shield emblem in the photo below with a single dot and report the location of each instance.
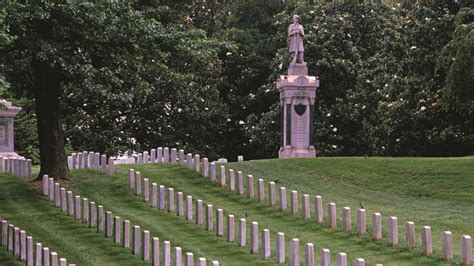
(300, 109)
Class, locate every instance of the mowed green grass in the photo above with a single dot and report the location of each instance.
(21, 204)
(438, 192)
(429, 191)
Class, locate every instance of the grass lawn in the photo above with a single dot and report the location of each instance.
(429, 191)
(24, 206)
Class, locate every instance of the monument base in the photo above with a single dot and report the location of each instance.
(8, 154)
(297, 69)
(289, 152)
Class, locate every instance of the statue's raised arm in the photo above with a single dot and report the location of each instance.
(296, 35)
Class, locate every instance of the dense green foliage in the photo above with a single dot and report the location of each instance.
(395, 80)
(124, 73)
(379, 92)
(429, 191)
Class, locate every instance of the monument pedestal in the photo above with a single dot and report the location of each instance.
(7, 112)
(297, 97)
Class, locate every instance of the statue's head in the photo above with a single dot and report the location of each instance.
(296, 18)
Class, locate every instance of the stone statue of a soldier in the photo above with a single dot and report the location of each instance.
(296, 34)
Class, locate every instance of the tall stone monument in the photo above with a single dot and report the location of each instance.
(297, 97)
(7, 112)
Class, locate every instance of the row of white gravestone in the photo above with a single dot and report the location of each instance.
(16, 165)
(236, 184)
(22, 246)
(165, 199)
(325, 255)
(158, 155)
(161, 155)
(92, 160)
(121, 232)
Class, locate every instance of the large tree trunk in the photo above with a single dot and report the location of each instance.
(47, 90)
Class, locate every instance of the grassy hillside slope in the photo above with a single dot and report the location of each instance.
(430, 191)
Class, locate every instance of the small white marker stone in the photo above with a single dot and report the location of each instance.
(392, 231)
(280, 248)
(283, 199)
(250, 187)
(295, 252)
(361, 222)
(332, 222)
(377, 226)
(254, 238)
(230, 228)
(325, 257)
(447, 246)
(426, 240)
(242, 232)
(309, 254)
(466, 250)
(266, 244)
(410, 235)
(271, 194)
